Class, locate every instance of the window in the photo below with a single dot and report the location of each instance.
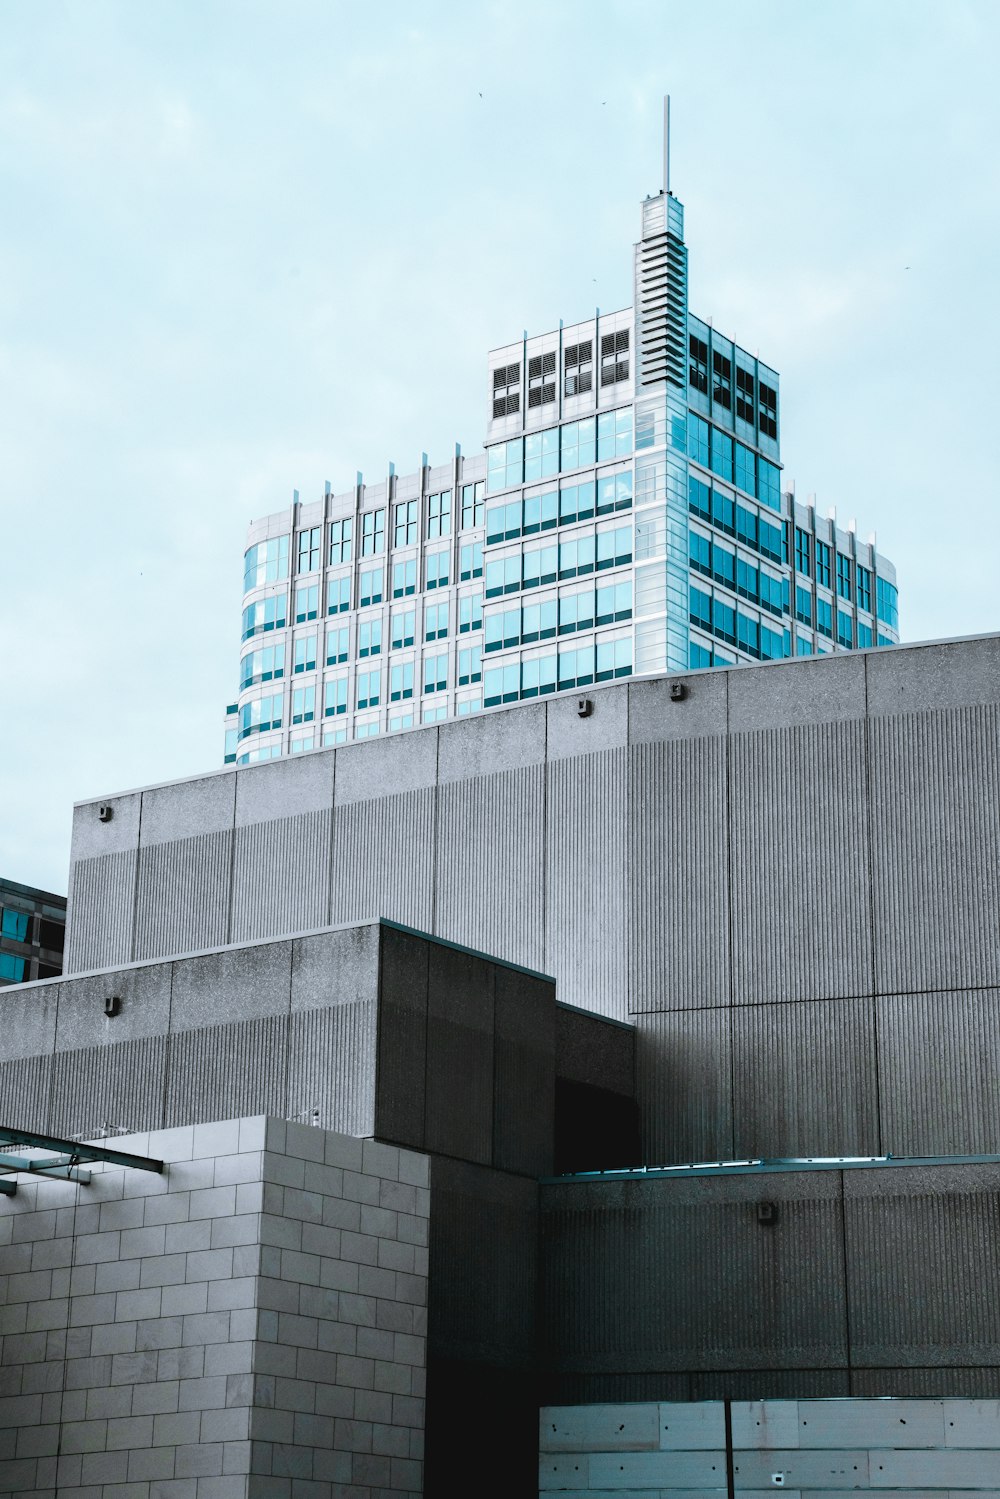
(539, 619)
(404, 578)
(263, 665)
(335, 736)
(803, 646)
(723, 620)
(265, 614)
(747, 579)
(405, 533)
(744, 394)
(400, 721)
(772, 593)
(503, 574)
(260, 715)
(541, 511)
(473, 504)
(864, 589)
(505, 464)
(12, 968)
(14, 924)
(802, 562)
(614, 658)
(578, 367)
(470, 561)
(306, 602)
(746, 525)
(722, 380)
(699, 498)
(337, 645)
(305, 653)
(722, 455)
(614, 357)
(614, 602)
(576, 665)
(769, 489)
(436, 621)
(768, 410)
(614, 492)
(822, 563)
(724, 512)
(746, 469)
(579, 444)
(501, 685)
(845, 630)
(507, 389)
(470, 665)
(698, 371)
(864, 636)
(439, 515)
(334, 696)
(576, 610)
(541, 379)
(504, 521)
(437, 569)
(403, 627)
(770, 539)
(369, 688)
(614, 434)
(503, 628)
(824, 617)
(723, 565)
(698, 439)
(843, 576)
(300, 743)
(341, 532)
(538, 676)
(541, 455)
(803, 606)
(887, 600)
(308, 553)
(373, 533)
(436, 672)
(370, 637)
(748, 634)
(267, 562)
(303, 704)
(400, 681)
(338, 594)
(577, 555)
(435, 713)
(772, 645)
(700, 553)
(700, 607)
(370, 589)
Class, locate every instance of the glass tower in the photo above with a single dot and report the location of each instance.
(627, 517)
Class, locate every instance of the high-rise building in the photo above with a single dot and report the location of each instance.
(32, 933)
(627, 517)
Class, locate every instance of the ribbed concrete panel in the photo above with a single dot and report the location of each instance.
(401, 1078)
(800, 864)
(771, 1384)
(923, 1271)
(678, 926)
(183, 899)
(523, 1072)
(585, 881)
(383, 860)
(281, 876)
(331, 1067)
(24, 1092)
(804, 1079)
(460, 1044)
(939, 1059)
(680, 1275)
(936, 843)
(491, 864)
(102, 907)
(120, 1085)
(483, 1264)
(226, 1071)
(590, 1389)
(925, 1384)
(684, 1086)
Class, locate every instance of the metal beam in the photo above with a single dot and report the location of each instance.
(7, 1189)
(75, 1151)
(58, 1166)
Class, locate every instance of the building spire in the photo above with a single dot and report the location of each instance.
(666, 143)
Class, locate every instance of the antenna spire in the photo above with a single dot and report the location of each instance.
(666, 143)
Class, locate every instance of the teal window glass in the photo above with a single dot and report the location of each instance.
(337, 645)
(370, 637)
(722, 454)
(303, 704)
(470, 665)
(439, 515)
(614, 659)
(341, 532)
(501, 684)
(338, 594)
(308, 550)
(473, 504)
(541, 511)
(579, 443)
(265, 614)
(541, 455)
(699, 498)
(470, 562)
(12, 968)
(436, 672)
(824, 617)
(334, 696)
(373, 533)
(614, 434)
(437, 569)
(803, 606)
(405, 524)
(700, 607)
(746, 469)
(470, 613)
(769, 484)
(401, 681)
(864, 578)
(700, 553)
(822, 563)
(864, 636)
(403, 627)
(843, 576)
(370, 587)
(14, 924)
(803, 563)
(304, 654)
(306, 602)
(887, 601)
(404, 578)
(698, 439)
(267, 562)
(369, 687)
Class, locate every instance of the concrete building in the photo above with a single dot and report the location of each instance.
(627, 517)
(617, 980)
(32, 933)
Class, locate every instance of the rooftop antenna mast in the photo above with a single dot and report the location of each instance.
(666, 143)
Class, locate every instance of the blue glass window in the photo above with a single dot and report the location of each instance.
(769, 484)
(772, 644)
(400, 681)
(698, 656)
(436, 621)
(824, 617)
(864, 636)
(372, 533)
(698, 439)
(404, 578)
(541, 511)
(14, 924)
(470, 613)
(579, 444)
(770, 539)
(845, 632)
(887, 599)
(746, 469)
(403, 627)
(614, 434)
(864, 578)
(538, 676)
(576, 666)
(338, 594)
(305, 654)
(722, 454)
(724, 512)
(724, 620)
(541, 455)
(700, 607)
(12, 968)
(614, 658)
(771, 593)
(614, 492)
(505, 465)
(747, 579)
(439, 514)
(803, 646)
(501, 685)
(265, 614)
(539, 620)
(260, 715)
(843, 576)
(699, 498)
(308, 551)
(437, 569)
(337, 645)
(303, 704)
(370, 589)
(262, 665)
(748, 634)
(803, 563)
(724, 565)
(406, 521)
(822, 563)
(369, 687)
(470, 562)
(267, 562)
(341, 532)
(470, 665)
(746, 525)
(306, 602)
(700, 552)
(369, 637)
(577, 502)
(334, 696)
(473, 504)
(803, 606)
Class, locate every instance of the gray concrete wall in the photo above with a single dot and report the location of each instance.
(807, 1448)
(870, 1281)
(250, 1323)
(786, 880)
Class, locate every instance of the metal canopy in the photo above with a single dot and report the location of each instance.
(66, 1158)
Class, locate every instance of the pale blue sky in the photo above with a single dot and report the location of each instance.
(246, 247)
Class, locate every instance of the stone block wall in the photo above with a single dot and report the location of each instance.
(251, 1322)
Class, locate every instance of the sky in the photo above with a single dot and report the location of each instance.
(249, 247)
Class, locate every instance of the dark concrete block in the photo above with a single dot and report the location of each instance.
(593, 1050)
(460, 1021)
(523, 1072)
(402, 1038)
